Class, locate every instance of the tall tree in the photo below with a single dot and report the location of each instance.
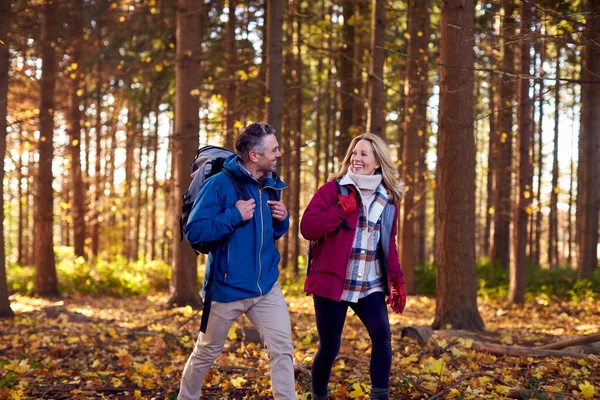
(456, 297)
(415, 124)
(500, 250)
(588, 189)
(553, 217)
(231, 81)
(5, 310)
(78, 196)
(46, 282)
(375, 115)
(346, 77)
(522, 207)
(275, 65)
(184, 280)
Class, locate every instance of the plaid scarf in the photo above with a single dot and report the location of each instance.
(363, 274)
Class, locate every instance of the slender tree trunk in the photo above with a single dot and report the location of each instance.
(540, 161)
(492, 161)
(184, 279)
(589, 158)
(375, 115)
(5, 14)
(456, 296)
(415, 123)
(522, 209)
(571, 181)
(132, 125)
(262, 72)
(46, 282)
(20, 180)
(500, 251)
(153, 227)
(297, 167)
(275, 66)
(553, 230)
(230, 116)
(361, 11)
(78, 196)
(346, 77)
(98, 187)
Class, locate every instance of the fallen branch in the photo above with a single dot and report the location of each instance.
(586, 339)
(520, 351)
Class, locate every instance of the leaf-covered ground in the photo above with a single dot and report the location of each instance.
(87, 347)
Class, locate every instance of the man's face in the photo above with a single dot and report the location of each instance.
(268, 155)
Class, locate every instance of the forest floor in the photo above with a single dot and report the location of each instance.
(88, 347)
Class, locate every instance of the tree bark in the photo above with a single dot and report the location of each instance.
(522, 208)
(415, 125)
(184, 279)
(553, 229)
(46, 282)
(275, 66)
(5, 14)
(589, 186)
(500, 251)
(346, 77)
(456, 297)
(98, 189)
(78, 196)
(375, 115)
(231, 81)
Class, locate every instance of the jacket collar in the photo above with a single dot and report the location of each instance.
(232, 164)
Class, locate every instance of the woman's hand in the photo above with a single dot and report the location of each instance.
(348, 203)
(397, 298)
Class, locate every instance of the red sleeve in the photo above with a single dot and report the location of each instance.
(323, 214)
(395, 273)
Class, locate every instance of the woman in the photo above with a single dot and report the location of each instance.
(353, 259)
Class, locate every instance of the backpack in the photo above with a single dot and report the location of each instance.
(209, 161)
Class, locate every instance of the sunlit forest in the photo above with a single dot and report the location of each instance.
(490, 109)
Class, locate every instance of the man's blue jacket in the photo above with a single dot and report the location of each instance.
(246, 263)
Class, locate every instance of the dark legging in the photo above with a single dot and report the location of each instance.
(331, 316)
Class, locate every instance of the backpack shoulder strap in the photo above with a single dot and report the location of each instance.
(240, 189)
(343, 190)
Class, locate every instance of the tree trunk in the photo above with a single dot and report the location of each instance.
(275, 66)
(78, 195)
(20, 182)
(184, 279)
(5, 310)
(296, 163)
(346, 77)
(500, 252)
(361, 11)
(456, 297)
(98, 189)
(127, 211)
(231, 81)
(46, 282)
(153, 227)
(589, 187)
(415, 124)
(553, 229)
(376, 116)
(522, 208)
(492, 164)
(540, 161)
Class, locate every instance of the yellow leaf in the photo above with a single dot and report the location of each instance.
(137, 394)
(491, 211)
(587, 390)
(527, 194)
(74, 66)
(73, 75)
(434, 366)
(122, 19)
(507, 339)
(195, 92)
(79, 92)
(407, 36)
(74, 142)
(454, 394)
(502, 389)
(95, 363)
(267, 99)
(410, 359)
(238, 382)
(1, 42)
(357, 391)
(158, 67)
(237, 124)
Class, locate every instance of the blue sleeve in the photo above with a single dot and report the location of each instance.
(209, 220)
(280, 228)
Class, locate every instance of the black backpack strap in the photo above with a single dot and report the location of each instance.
(240, 189)
(343, 190)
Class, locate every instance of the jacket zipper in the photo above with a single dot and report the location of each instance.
(226, 266)
(262, 239)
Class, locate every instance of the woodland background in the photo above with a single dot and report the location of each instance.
(491, 110)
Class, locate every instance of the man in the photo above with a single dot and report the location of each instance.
(245, 261)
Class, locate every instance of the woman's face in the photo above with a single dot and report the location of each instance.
(362, 160)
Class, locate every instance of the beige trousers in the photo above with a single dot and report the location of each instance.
(270, 316)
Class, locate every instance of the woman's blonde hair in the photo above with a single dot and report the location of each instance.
(389, 172)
